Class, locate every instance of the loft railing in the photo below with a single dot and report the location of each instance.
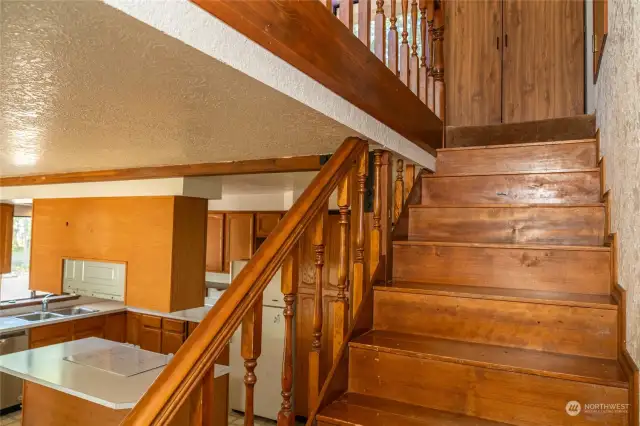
(417, 57)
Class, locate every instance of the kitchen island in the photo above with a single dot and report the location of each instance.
(90, 381)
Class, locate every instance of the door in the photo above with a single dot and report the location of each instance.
(239, 237)
(543, 59)
(473, 62)
(215, 242)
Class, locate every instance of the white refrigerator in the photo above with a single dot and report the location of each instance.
(267, 397)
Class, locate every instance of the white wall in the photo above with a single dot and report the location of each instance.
(617, 104)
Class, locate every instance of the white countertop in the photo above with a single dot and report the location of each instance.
(46, 366)
(10, 323)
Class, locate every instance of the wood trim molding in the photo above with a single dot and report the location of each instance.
(271, 165)
(306, 35)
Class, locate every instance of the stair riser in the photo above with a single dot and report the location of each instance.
(532, 158)
(551, 328)
(539, 225)
(565, 271)
(548, 188)
(509, 397)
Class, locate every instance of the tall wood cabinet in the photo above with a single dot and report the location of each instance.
(513, 60)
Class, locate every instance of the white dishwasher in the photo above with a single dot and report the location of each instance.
(10, 386)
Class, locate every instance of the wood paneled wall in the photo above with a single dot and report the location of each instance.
(162, 240)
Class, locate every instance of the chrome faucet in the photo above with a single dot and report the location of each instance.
(45, 302)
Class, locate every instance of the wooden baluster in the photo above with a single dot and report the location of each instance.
(359, 279)
(381, 31)
(399, 191)
(316, 345)
(208, 393)
(341, 306)
(250, 348)
(430, 81)
(404, 47)
(438, 62)
(393, 39)
(364, 22)
(422, 73)
(289, 286)
(414, 65)
(376, 233)
(345, 12)
(409, 177)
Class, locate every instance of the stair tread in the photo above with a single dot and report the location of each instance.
(501, 245)
(539, 172)
(502, 293)
(502, 206)
(569, 367)
(358, 409)
(517, 145)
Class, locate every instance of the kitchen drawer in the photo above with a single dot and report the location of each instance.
(150, 321)
(51, 332)
(88, 324)
(176, 326)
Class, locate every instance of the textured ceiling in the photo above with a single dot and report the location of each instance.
(84, 86)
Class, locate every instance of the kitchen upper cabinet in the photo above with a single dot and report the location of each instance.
(265, 223)
(215, 242)
(513, 60)
(543, 59)
(161, 239)
(239, 237)
(6, 237)
(473, 63)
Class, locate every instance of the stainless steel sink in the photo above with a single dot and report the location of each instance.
(39, 316)
(74, 311)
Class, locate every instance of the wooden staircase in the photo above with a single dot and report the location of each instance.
(500, 310)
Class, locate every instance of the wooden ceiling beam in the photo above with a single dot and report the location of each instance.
(271, 165)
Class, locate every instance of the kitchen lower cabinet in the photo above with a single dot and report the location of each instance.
(89, 327)
(150, 334)
(174, 333)
(115, 327)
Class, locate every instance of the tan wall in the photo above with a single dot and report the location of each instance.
(618, 117)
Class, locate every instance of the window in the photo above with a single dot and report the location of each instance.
(15, 285)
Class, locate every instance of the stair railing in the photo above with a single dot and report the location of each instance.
(187, 377)
(417, 58)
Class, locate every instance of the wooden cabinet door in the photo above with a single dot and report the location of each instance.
(6, 237)
(239, 237)
(265, 222)
(133, 328)
(215, 242)
(115, 327)
(473, 62)
(150, 333)
(50, 334)
(543, 59)
(171, 342)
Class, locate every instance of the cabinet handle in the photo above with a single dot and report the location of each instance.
(506, 40)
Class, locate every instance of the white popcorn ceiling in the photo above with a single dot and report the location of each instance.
(84, 86)
(618, 117)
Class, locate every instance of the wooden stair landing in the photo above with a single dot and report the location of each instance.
(356, 409)
(569, 367)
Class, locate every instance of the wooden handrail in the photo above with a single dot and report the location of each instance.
(196, 357)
